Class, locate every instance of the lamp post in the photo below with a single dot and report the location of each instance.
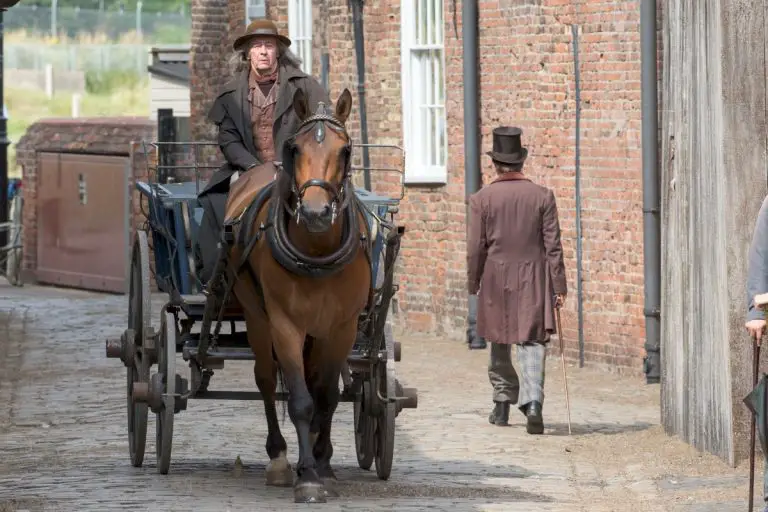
(4, 142)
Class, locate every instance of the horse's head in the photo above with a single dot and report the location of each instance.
(318, 159)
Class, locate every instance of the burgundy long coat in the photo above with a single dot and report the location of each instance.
(515, 260)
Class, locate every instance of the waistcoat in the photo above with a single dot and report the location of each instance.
(262, 118)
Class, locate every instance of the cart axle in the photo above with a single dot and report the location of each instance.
(144, 392)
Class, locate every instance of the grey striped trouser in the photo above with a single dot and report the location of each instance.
(504, 379)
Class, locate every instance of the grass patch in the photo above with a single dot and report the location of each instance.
(163, 34)
(112, 97)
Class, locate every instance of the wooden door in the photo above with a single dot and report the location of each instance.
(83, 221)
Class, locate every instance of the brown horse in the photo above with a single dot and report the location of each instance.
(304, 281)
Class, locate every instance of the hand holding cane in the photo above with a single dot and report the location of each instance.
(562, 360)
(755, 370)
(756, 335)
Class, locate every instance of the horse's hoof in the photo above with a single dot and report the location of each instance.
(329, 484)
(328, 477)
(279, 473)
(309, 492)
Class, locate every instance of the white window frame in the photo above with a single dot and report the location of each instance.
(300, 31)
(425, 162)
(254, 9)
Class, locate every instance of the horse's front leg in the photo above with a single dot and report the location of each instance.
(326, 362)
(279, 472)
(289, 344)
(326, 394)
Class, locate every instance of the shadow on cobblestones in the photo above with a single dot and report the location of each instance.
(561, 429)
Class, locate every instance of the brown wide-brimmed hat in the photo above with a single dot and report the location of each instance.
(259, 27)
(507, 147)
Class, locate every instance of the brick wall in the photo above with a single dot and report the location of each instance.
(102, 136)
(527, 79)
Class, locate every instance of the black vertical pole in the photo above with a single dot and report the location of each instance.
(651, 191)
(325, 65)
(357, 22)
(469, 32)
(166, 132)
(577, 165)
(4, 143)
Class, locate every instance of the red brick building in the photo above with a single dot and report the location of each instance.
(526, 79)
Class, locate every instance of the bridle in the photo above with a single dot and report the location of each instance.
(318, 122)
(344, 202)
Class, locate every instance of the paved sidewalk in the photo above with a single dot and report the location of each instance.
(64, 444)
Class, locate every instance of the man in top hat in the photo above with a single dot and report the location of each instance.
(254, 115)
(515, 265)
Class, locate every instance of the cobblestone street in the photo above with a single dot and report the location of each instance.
(64, 447)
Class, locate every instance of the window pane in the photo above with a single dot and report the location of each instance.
(425, 111)
(417, 21)
(442, 145)
(439, 78)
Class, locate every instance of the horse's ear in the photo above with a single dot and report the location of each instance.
(344, 106)
(300, 105)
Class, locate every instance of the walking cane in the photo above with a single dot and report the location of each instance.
(565, 377)
(755, 370)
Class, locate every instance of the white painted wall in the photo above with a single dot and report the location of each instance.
(165, 93)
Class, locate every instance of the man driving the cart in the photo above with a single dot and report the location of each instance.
(254, 115)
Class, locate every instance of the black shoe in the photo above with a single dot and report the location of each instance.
(477, 343)
(535, 420)
(500, 414)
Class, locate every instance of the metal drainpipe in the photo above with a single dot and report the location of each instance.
(325, 58)
(357, 22)
(325, 64)
(579, 251)
(4, 143)
(651, 200)
(472, 177)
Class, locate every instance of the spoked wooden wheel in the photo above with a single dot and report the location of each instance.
(136, 336)
(365, 427)
(385, 422)
(166, 378)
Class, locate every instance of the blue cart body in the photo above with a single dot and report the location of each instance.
(174, 216)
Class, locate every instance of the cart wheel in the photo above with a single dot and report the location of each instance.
(136, 334)
(137, 371)
(166, 370)
(385, 422)
(365, 428)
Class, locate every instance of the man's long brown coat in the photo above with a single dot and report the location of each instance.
(515, 260)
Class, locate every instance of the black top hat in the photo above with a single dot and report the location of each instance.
(507, 148)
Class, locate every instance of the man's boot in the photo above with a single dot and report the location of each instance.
(533, 414)
(500, 414)
(477, 343)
